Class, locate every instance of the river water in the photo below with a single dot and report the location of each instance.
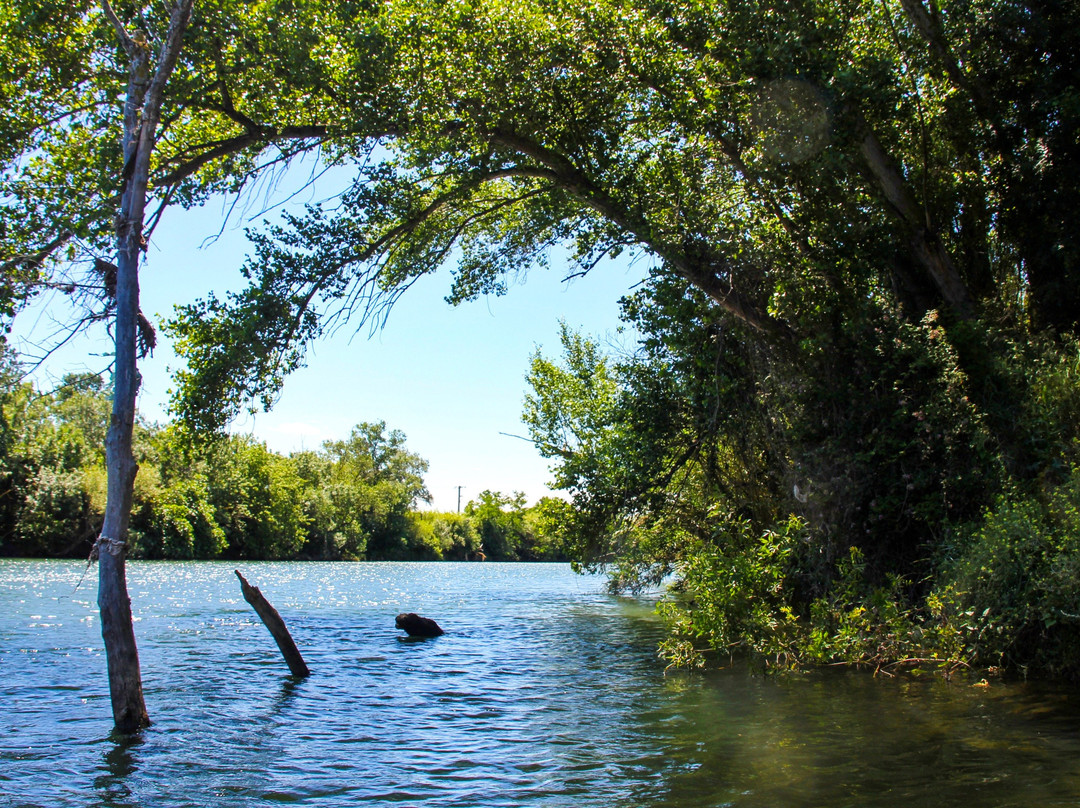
(545, 691)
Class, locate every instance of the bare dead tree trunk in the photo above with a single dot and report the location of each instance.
(278, 630)
(142, 109)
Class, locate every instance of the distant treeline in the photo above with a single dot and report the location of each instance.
(234, 498)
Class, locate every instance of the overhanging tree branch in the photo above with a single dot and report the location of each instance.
(704, 277)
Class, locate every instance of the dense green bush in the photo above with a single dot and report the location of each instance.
(732, 595)
(181, 524)
(443, 536)
(51, 463)
(735, 596)
(1015, 581)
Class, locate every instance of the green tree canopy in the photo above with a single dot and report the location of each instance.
(52, 475)
(500, 521)
(787, 160)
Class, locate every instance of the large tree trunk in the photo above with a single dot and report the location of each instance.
(926, 247)
(141, 113)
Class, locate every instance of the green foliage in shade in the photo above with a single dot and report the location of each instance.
(732, 595)
(998, 588)
(1013, 581)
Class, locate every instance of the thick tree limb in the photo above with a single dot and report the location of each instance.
(121, 32)
(262, 136)
(935, 38)
(926, 246)
(704, 277)
(142, 108)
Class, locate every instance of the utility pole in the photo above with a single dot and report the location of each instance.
(459, 498)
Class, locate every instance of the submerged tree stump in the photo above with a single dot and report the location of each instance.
(272, 620)
(416, 626)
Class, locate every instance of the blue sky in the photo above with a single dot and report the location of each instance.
(451, 378)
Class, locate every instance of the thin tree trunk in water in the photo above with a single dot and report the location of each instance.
(125, 680)
(141, 113)
(272, 620)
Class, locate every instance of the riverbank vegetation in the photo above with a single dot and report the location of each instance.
(894, 512)
(851, 427)
(231, 497)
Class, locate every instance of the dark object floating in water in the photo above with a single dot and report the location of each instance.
(416, 626)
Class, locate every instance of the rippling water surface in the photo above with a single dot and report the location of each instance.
(544, 691)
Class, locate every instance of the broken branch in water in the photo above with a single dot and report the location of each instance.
(272, 620)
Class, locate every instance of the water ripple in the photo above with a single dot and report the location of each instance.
(543, 692)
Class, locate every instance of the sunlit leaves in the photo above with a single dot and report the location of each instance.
(571, 405)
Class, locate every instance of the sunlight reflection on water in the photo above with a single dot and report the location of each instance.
(545, 691)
